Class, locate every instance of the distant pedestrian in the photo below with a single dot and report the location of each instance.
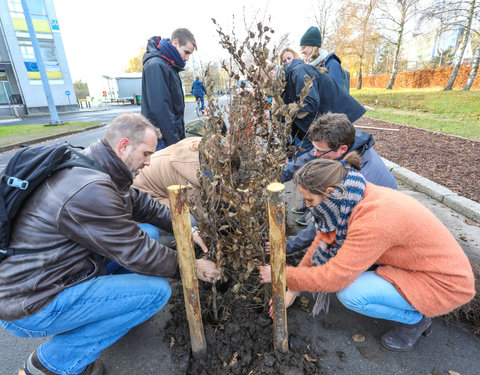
(199, 90)
(162, 94)
(420, 269)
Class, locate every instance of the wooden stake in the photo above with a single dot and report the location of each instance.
(276, 216)
(182, 229)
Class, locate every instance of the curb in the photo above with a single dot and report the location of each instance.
(465, 206)
(49, 138)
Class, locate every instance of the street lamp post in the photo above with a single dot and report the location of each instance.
(40, 64)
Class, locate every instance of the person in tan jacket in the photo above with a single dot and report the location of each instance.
(177, 164)
(421, 270)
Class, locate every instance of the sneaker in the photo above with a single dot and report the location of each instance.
(33, 366)
(305, 219)
(300, 209)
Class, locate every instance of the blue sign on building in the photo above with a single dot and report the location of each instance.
(54, 25)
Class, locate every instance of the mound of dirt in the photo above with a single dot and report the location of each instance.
(242, 343)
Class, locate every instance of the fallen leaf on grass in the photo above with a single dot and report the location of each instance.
(309, 359)
(358, 337)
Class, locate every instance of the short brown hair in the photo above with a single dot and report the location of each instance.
(183, 36)
(131, 126)
(333, 128)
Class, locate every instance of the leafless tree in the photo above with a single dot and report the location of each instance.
(466, 37)
(473, 73)
(397, 13)
(324, 15)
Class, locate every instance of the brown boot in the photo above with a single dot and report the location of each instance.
(405, 336)
(33, 366)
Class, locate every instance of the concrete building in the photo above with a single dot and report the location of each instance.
(21, 87)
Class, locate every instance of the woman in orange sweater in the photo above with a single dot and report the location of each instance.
(422, 271)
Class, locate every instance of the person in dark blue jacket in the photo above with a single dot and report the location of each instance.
(324, 96)
(198, 90)
(334, 137)
(162, 94)
(329, 63)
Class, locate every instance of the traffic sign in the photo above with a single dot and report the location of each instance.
(67, 92)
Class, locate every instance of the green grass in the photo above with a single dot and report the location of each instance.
(453, 112)
(22, 133)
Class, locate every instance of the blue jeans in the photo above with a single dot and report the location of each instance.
(86, 318)
(200, 97)
(374, 296)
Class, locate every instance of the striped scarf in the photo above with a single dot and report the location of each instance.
(333, 215)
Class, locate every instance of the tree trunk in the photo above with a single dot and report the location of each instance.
(468, 25)
(397, 49)
(395, 61)
(359, 80)
(474, 70)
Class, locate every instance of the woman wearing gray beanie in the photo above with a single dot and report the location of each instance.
(330, 63)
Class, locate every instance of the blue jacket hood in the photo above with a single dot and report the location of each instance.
(363, 141)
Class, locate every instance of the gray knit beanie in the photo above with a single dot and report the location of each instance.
(312, 37)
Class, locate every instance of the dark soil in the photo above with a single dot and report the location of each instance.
(241, 343)
(450, 161)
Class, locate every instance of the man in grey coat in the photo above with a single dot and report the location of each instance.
(333, 137)
(74, 223)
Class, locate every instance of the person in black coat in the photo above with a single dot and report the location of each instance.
(162, 94)
(324, 96)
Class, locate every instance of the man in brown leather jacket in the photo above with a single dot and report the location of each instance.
(84, 217)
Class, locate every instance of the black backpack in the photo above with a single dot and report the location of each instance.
(25, 171)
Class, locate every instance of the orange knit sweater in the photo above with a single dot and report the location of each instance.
(415, 251)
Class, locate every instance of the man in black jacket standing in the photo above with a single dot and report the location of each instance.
(162, 94)
(83, 218)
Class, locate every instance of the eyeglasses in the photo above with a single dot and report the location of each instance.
(326, 152)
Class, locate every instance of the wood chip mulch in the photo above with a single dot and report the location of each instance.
(450, 161)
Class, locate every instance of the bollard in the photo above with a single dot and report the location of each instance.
(276, 218)
(182, 229)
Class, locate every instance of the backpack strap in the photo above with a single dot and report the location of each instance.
(81, 161)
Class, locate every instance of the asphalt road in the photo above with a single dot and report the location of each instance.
(143, 350)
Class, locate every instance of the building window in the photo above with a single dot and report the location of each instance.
(41, 25)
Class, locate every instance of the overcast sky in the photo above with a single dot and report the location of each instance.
(100, 36)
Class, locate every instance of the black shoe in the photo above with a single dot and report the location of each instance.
(300, 209)
(405, 336)
(33, 366)
(305, 219)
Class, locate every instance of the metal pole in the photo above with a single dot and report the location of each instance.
(41, 65)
